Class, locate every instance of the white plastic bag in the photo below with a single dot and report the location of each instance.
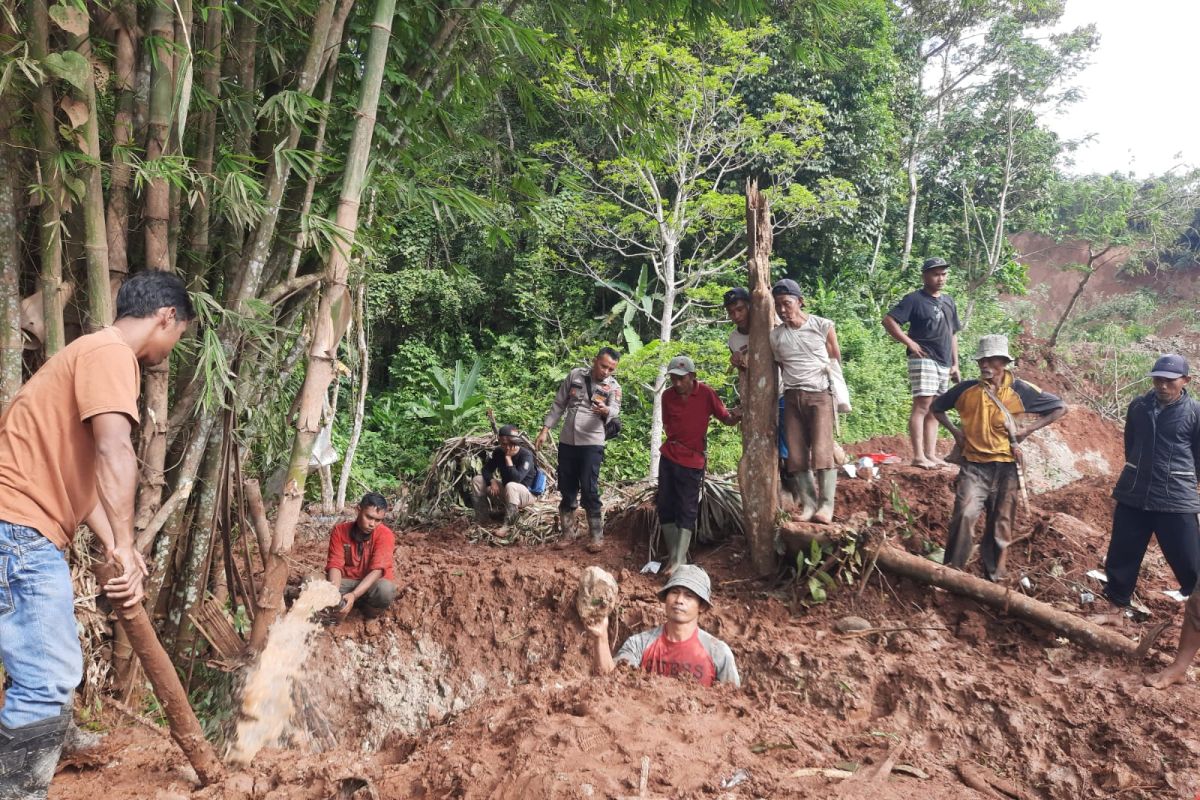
(837, 382)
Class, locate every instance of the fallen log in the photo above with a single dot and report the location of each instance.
(185, 728)
(922, 570)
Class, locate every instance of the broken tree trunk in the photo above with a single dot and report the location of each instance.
(185, 728)
(758, 471)
(907, 565)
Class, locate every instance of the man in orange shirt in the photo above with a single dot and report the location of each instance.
(66, 457)
(360, 559)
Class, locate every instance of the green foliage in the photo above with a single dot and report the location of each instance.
(455, 405)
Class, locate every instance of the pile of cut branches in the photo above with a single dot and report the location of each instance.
(536, 524)
(720, 516)
(446, 490)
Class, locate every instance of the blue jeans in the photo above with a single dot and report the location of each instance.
(39, 641)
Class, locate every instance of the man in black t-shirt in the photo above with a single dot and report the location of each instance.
(932, 343)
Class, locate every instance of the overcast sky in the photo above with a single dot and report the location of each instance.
(1139, 99)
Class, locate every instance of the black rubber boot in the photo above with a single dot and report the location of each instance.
(596, 530)
(28, 756)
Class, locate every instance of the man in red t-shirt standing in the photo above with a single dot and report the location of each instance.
(360, 559)
(678, 648)
(687, 406)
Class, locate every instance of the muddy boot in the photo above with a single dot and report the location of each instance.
(670, 535)
(566, 527)
(806, 494)
(511, 510)
(596, 532)
(483, 510)
(828, 479)
(28, 756)
(680, 553)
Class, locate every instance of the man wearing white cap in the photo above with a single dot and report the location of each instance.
(988, 440)
(1156, 496)
(679, 647)
(687, 407)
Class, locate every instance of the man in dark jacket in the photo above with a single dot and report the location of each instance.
(508, 477)
(1156, 493)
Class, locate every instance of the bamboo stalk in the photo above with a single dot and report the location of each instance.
(360, 400)
(334, 297)
(11, 343)
(125, 40)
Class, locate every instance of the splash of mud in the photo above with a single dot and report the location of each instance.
(267, 700)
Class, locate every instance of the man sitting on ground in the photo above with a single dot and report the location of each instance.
(360, 559)
(508, 477)
(988, 439)
(686, 408)
(679, 647)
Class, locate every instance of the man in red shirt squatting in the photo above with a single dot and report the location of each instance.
(686, 407)
(678, 648)
(360, 559)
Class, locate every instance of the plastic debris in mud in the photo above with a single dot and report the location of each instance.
(267, 699)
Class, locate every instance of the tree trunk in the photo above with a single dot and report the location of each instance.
(360, 395)
(910, 219)
(50, 222)
(156, 212)
(1063, 623)
(210, 83)
(124, 17)
(666, 327)
(334, 297)
(99, 295)
(11, 343)
(758, 471)
(1083, 282)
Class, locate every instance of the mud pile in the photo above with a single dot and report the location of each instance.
(477, 683)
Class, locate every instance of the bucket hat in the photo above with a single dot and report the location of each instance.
(994, 344)
(692, 578)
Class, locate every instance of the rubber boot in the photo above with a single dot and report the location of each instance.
(483, 509)
(566, 527)
(680, 554)
(28, 756)
(828, 480)
(806, 494)
(670, 535)
(596, 531)
(511, 510)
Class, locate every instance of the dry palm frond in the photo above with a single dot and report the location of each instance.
(446, 489)
(720, 516)
(95, 632)
(536, 524)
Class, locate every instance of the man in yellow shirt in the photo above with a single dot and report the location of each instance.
(988, 440)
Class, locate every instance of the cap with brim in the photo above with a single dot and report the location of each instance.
(692, 578)
(934, 263)
(509, 430)
(737, 294)
(681, 365)
(992, 346)
(786, 286)
(1170, 366)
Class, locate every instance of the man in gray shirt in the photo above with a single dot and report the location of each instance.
(804, 347)
(588, 401)
(678, 648)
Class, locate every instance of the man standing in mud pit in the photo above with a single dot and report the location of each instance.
(932, 344)
(988, 441)
(1156, 496)
(687, 407)
(678, 648)
(360, 559)
(589, 402)
(66, 457)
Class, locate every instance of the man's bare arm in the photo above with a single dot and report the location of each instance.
(1041, 422)
(602, 660)
(116, 484)
(896, 332)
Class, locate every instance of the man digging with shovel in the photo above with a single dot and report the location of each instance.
(66, 458)
(989, 478)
